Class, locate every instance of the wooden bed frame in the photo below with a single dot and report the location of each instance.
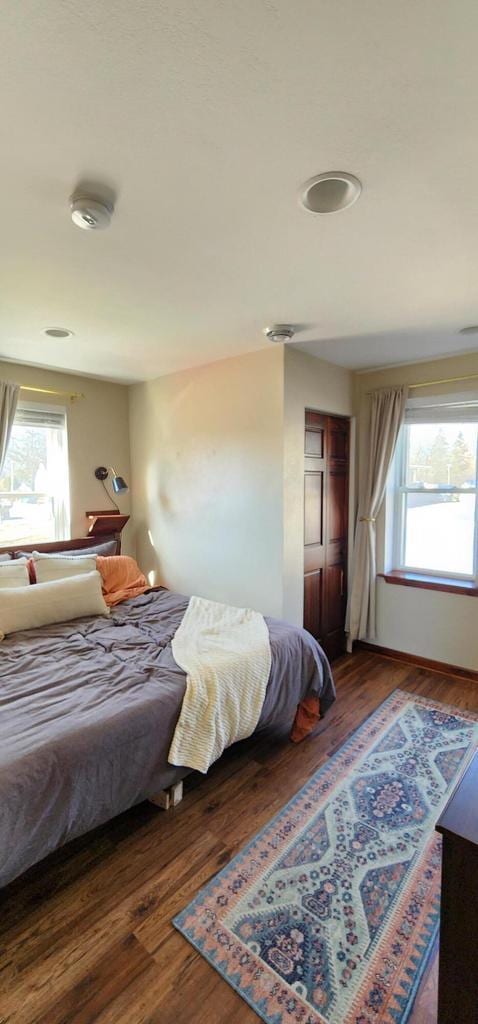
(65, 545)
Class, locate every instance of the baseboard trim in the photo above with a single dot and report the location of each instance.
(416, 659)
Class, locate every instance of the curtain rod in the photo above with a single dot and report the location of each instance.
(72, 395)
(432, 383)
(448, 380)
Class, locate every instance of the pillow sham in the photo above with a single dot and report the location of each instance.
(49, 603)
(122, 578)
(108, 547)
(14, 574)
(59, 567)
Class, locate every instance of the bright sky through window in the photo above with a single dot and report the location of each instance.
(34, 487)
(436, 527)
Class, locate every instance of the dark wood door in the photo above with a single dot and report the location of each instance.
(326, 497)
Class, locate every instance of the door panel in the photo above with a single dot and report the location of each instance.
(313, 506)
(339, 439)
(326, 496)
(314, 442)
(313, 601)
(337, 505)
(335, 596)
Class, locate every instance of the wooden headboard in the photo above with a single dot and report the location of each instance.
(64, 545)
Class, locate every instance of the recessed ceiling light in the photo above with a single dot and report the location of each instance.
(279, 332)
(330, 192)
(57, 332)
(469, 330)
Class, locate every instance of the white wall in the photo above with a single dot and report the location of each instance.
(98, 435)
(440, 626)
(309, 383)
(207, 479)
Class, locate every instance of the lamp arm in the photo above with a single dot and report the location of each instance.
(110, 496)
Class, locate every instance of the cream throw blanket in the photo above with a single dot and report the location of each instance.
(226, 655)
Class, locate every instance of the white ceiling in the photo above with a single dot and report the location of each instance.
(206, 116)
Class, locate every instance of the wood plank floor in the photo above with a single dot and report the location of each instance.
(86, 938)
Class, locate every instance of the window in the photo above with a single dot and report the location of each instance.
(34, 486)
(436, 515)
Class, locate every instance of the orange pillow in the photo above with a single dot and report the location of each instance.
(122, 578)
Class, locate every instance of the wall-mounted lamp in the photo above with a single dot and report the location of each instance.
(118, 483)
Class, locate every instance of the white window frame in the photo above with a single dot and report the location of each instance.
(401, 489)
(61, 510)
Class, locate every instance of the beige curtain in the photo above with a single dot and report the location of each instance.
(8, 406)
(387, 413)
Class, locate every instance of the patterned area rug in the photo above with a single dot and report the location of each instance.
(328, 915)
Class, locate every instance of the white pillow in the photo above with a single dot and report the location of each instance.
(59, 567)
(47, 603)
(14, 574)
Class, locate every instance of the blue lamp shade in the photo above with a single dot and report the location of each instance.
(119, 484)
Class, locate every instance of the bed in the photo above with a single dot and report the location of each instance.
(88, 710)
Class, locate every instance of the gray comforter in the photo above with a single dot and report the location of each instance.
(87, 714)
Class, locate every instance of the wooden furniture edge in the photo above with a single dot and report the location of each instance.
(106, 523)
(418, 660)
(50, 547)
(415, 579)
(457, 824)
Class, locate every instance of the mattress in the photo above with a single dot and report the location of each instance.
(88, 710)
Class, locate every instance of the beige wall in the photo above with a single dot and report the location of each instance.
(217, 476)
(434, 625)
(218, 457)
(98, 434)
(313, 384)
(207, 479)
(218, 481)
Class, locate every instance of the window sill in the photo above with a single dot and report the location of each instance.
(443, 583)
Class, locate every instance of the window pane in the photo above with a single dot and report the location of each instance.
(34, 487)
(439, 532)
(442, 455)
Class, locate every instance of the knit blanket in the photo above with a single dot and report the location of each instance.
(225, 653)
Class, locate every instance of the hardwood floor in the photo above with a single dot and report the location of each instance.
(86, 938)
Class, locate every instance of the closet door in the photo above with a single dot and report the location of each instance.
(315, 461)
(326, 495)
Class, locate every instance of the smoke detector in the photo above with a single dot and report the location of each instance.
(89, 213)
(279, 332)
